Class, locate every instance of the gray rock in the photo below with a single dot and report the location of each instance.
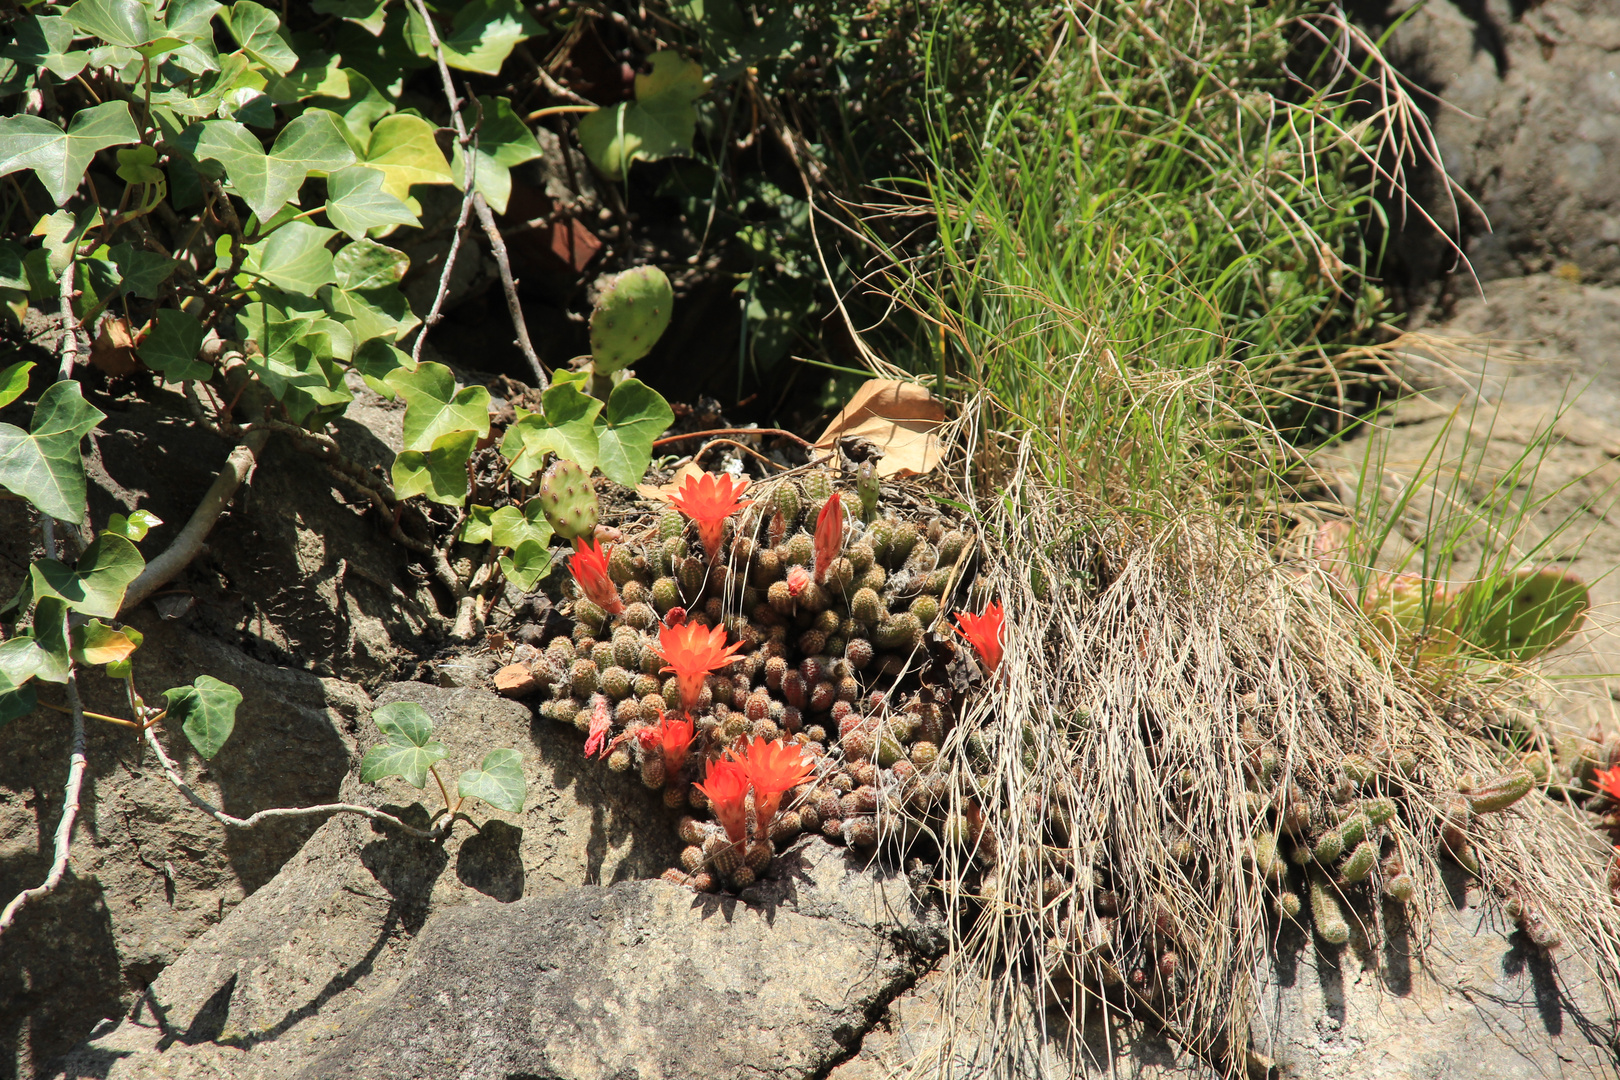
(1531, 129)
(369, 963)
(1478, 1005)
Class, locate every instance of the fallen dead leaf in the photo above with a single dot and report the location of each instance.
(901, 419)
(113, 351)
(663, 492)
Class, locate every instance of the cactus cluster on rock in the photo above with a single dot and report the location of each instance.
(773, 620)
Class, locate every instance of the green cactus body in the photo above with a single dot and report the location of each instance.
(1400, 888)
(602, 653)
(1358, 769)
(568, 499)
(671, 525)
(866, 489)
(1329, 847)
(898, 632)
(1379, 810)
(926, 608)
(621, 565)
(1524, 614)
(1354, 830)
(1501, 792)
(1326, 914)
(1289, 903)
(902, 539)
(1360, 862)
(630, 315)
(818, 487)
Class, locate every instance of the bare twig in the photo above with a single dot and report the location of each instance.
(70, 811)
(435, 314)
(666, 440)
(173, 773)
(161, 570)
(70, 325)
(485, 217)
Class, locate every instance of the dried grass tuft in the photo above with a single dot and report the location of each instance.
(1114, 764)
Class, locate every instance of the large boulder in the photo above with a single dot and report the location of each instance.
(503, 951)
(1530, 127)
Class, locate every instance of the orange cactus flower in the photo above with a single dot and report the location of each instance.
(674, 736)
(1608, 782)
(589, 565)
(601, 723)
(983, 632)
(691, 651)
(708, 500)
(727, 791)
(773, 768)
(829, 535)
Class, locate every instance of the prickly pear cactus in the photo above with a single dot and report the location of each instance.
(629, 318)
(1524, 614)
(568, 500)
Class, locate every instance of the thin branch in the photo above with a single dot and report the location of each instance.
(666, 440)
(434, 315)
(173, 773)
(70, 811)
(185, 547)
(70, 325)
(485, 217)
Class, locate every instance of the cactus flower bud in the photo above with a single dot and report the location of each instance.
(829, 535)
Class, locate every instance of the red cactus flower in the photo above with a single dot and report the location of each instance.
(829, 535)
(983, 632)
(708, 500)
(798, 579)
(601, 722)
(773, 768)
(674, 736)
(1608, 782)
(589, 564)
(692, 651)
(727, 791)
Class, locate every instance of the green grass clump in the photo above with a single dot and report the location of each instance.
(1151, 254)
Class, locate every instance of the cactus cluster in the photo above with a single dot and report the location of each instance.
(826, 665)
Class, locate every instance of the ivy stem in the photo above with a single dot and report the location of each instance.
(451, 810)
(559, 110)
(93, 715)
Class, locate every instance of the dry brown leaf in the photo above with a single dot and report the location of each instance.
(113, 351)
(662, 493)
(901, 419)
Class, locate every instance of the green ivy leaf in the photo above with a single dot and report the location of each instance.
(434, 407)
(42, 651)
(257, 30)
(636, 414)
(410, 749)
(477, 528)
(59, 157)
(171, 345)
(439, 472)
(95, 643)
(363, 107)
(318, 75)
(134, 527)
(313, 143)
(376, 359)
(504, 140)
(133, 270)
(16, 703)
(366, 264)
(206, 710)
(118, 22)
(565, 424)
(659, 123)
(294, 258)
(13, 269)
(498, 781)
(62, 231)
(369, 15)
(510, 526)
(13, 381)
(44, 466)
(45, 41)
(137, 165)
(482, 34)
(373, 313)
(527, 564)
(96, 585)
(356, 201)
(404, 149)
